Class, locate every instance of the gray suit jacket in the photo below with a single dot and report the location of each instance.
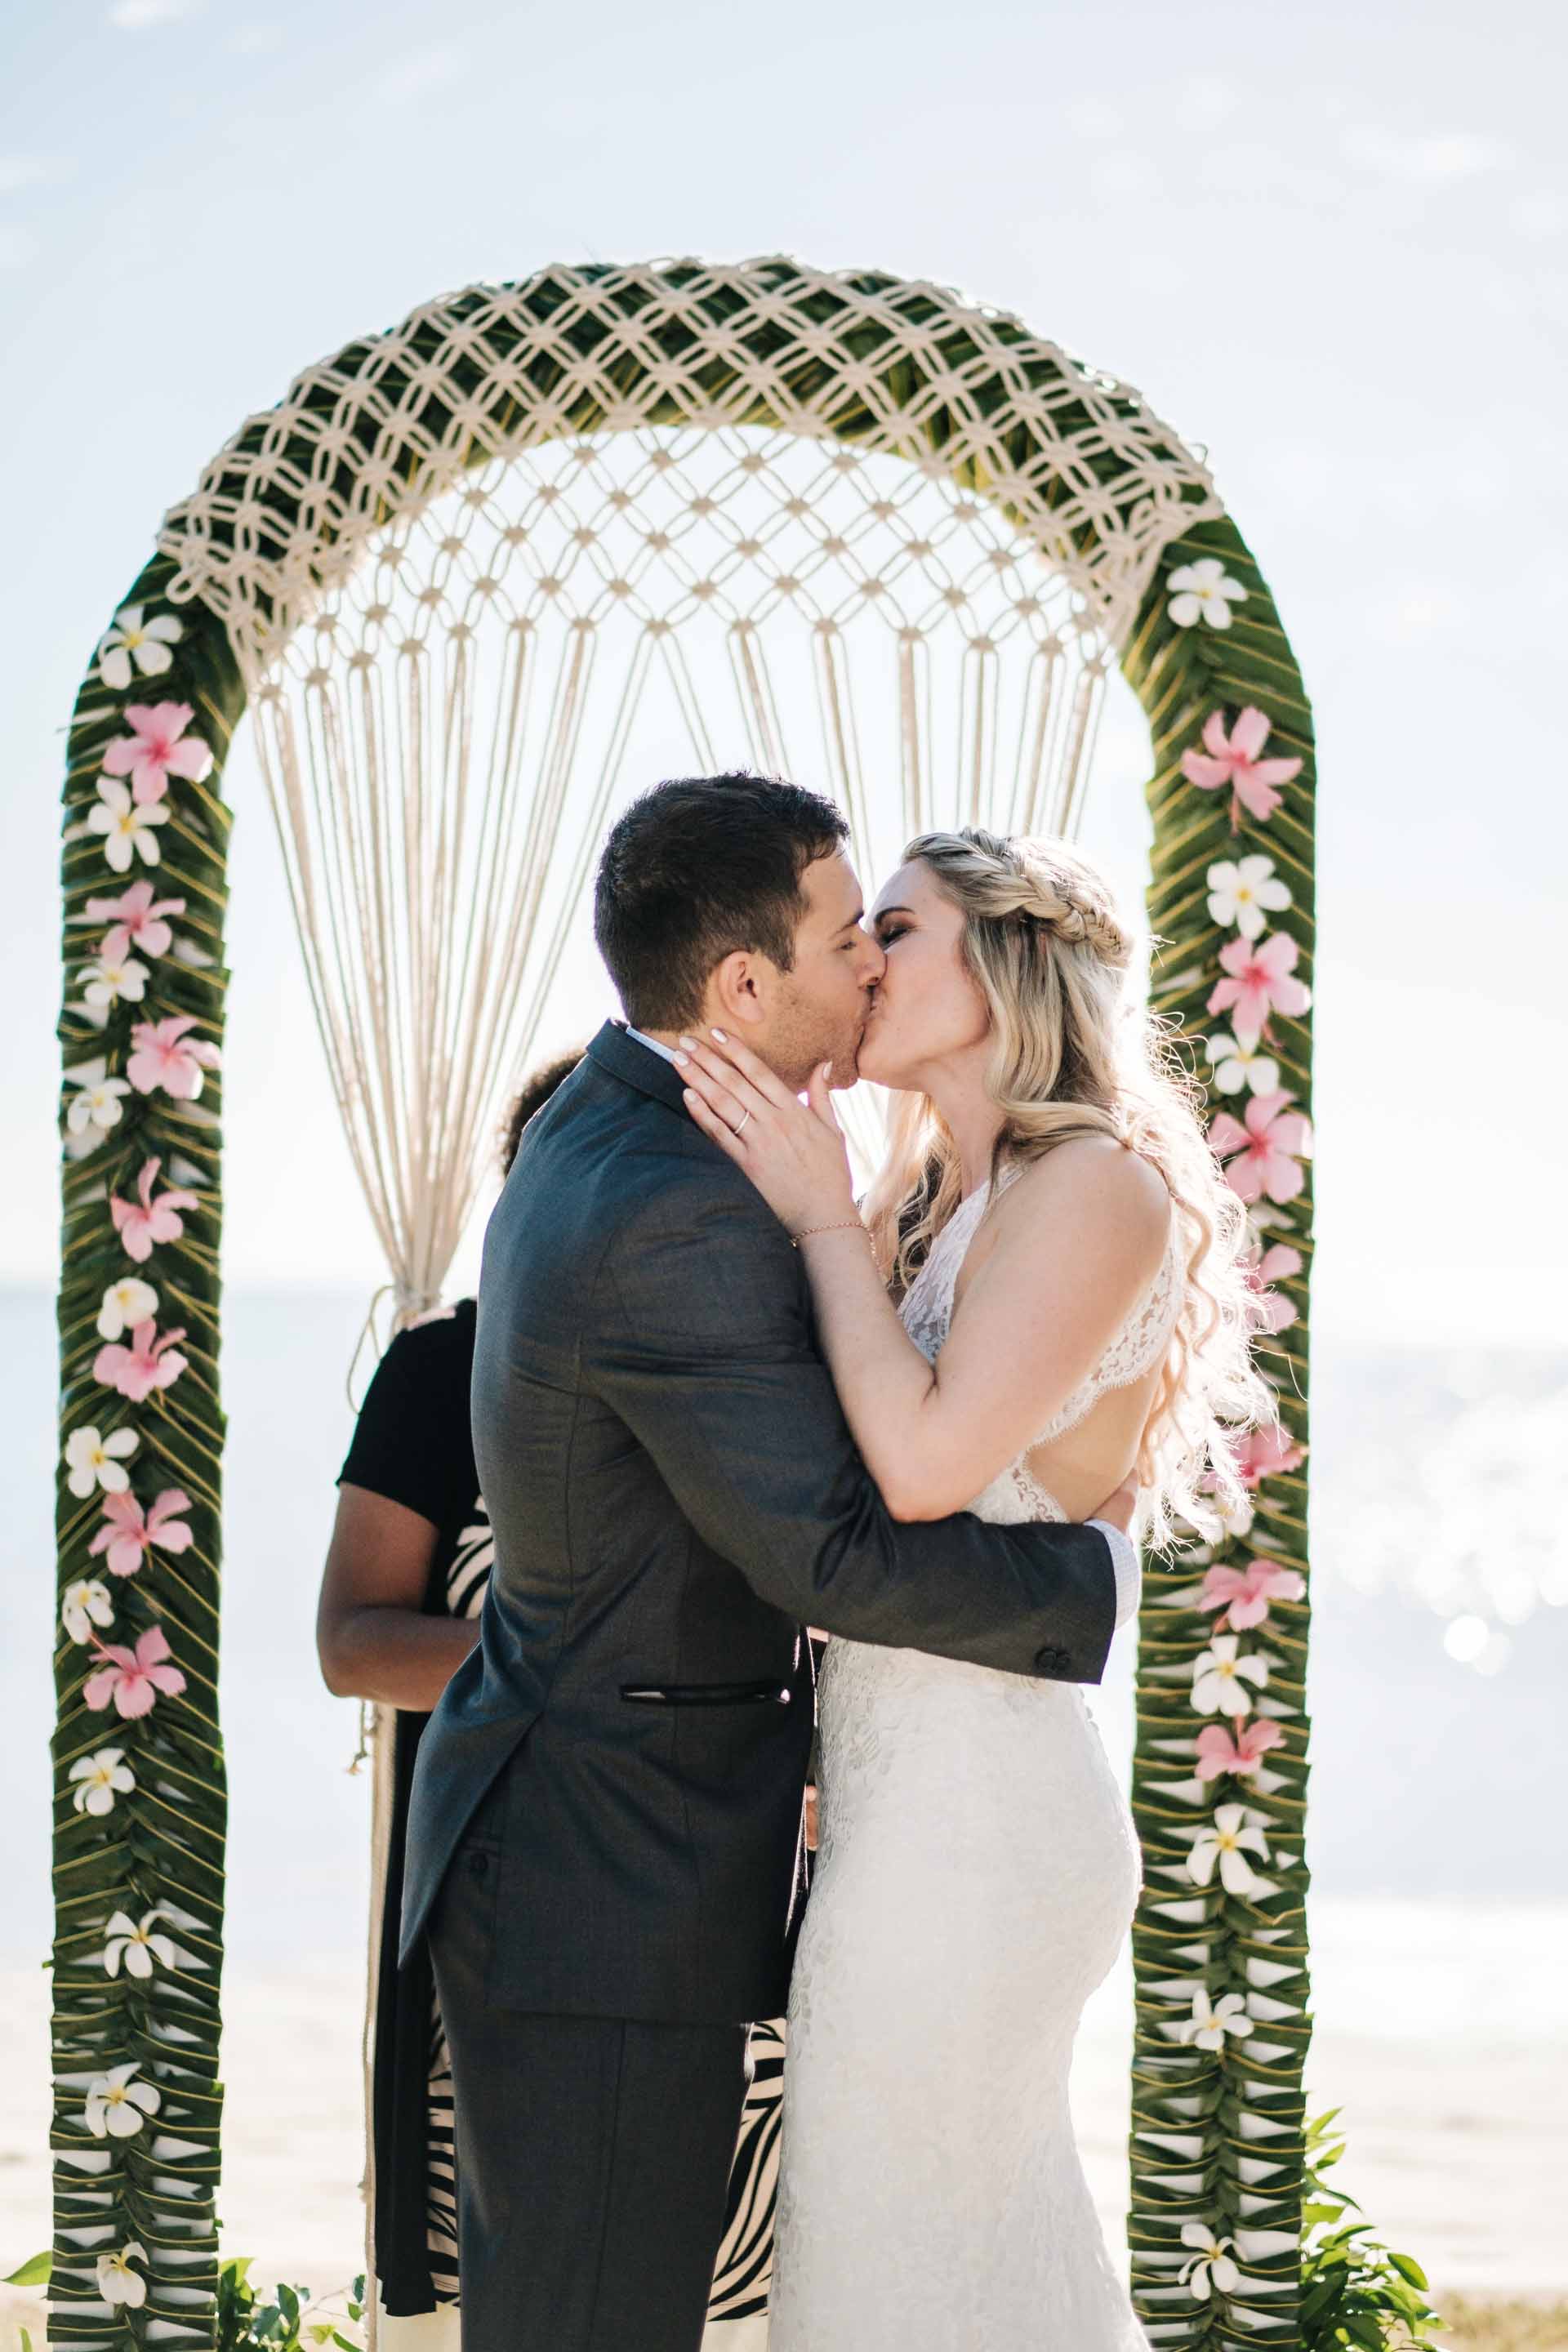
(675, 1494)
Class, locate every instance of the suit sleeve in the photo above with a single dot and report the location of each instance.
(701, 1345)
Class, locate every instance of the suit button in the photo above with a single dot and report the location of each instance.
(1050, 1661)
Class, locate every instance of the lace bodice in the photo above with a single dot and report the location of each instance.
(927, 1313)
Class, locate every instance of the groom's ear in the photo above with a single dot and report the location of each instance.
(741, 989)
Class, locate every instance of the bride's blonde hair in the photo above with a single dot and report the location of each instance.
(1071, 1057)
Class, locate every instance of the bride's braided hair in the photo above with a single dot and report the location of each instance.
(1071, 1056)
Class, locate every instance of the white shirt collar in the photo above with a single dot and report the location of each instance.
(664, 1052)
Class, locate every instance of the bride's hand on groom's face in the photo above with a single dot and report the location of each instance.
(793, 1152)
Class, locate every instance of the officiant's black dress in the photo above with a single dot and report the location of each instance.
(413, 1444)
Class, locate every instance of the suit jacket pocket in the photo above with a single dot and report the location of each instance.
(752, 1694)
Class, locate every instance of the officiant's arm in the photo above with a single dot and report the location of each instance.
(373, 1637)
(700, 1343)
(1037, 1314)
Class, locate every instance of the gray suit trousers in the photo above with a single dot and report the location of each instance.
(593, 2153)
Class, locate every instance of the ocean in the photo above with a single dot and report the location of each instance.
(1438, 1844)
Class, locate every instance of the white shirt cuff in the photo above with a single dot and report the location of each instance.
(1128, 1575)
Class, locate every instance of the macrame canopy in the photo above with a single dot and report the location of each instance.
(904, 581)
(455, 651)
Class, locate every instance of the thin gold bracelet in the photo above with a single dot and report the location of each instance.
(844, 1226)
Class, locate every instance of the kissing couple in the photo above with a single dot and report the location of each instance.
(717, 1403)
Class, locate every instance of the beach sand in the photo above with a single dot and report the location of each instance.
(1440, 2033)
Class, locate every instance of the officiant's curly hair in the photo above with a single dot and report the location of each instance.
(696, 868)
(1071, 1055)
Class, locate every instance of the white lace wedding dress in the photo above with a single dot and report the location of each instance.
(976, 1875)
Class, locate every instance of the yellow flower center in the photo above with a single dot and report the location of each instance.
(115, 2096)
(133, 638)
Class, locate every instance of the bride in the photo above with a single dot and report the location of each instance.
(1053, 1298)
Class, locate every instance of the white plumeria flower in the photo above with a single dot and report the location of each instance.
(1245, 891)
(100, 1777)
(1211, 2266)
(118, 2104)
(109, 983)
(117, 2282)
(136, 1947)
(1203, 591)
(1212, 2021)
(134, 640)
(126, 1303)
(86, 1604)
(98, 1100)
(93, 1460)
(1228, 1843)
(1220, 1678)
(1237, 1063)
(126, 824)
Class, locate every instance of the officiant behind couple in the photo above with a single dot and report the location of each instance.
(714, 1404)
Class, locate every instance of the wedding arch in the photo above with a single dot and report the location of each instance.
(446, 572)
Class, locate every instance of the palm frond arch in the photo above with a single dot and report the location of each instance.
(1038, 513)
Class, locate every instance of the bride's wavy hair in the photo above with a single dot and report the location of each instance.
(1071, 1055)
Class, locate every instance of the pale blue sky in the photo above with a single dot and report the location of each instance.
(1329, 242)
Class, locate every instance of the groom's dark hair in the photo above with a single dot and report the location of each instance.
(696, 870)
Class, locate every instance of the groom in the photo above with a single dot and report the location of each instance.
(606, 1814)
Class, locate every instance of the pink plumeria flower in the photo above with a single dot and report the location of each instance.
(132, 1679)
(1244, 893)
(125, 827)
(1281, 1263)
(1258, 983)
(1267, 1454)
(147, 1364)
(1263, 1155)
(130, 1535)
(1233, 760)
(1244, 1593)
(144, 1221)
(137, 921)
(163, 1056)
(1239, 1749)
(156, 749)
(133, 639)
(99, 1779)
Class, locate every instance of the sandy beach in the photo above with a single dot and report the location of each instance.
(1443, 2033)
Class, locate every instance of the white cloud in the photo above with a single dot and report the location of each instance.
(419, 71)
(135, 16)
(256, 40)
